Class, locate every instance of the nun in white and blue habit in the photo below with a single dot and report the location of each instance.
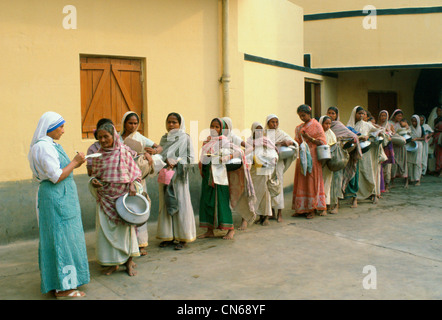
(62, 253)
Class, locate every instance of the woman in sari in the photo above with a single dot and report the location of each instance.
(115, 174)
(62, 248)
(399, 168)
(437, 140)
(345, 179)
(93, 148)
(143, 146)
(219, 194)
(414, 158)
(176, 220)
(280, 139)
(368, 185)
(388, 129)
(427, 132)
(308, 189)
(229, 133)
(327, 174)
(259, 147)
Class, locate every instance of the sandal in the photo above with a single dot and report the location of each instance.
(165, 244)
(74, 294)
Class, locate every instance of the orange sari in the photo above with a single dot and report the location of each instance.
(308, 190)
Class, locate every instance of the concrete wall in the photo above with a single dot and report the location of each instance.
(18, 214)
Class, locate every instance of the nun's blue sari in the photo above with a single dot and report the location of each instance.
(62, 253)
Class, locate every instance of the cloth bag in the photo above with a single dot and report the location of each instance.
(339, 158)
(274, 185)
(305, 158)
(144, 166)
(165, 176)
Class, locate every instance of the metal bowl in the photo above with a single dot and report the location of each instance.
(286, 152)
(134, 210)
(411, 146)
(233, 164)
(398, 140)
(407, 138)
(365, 146)
(349, 146)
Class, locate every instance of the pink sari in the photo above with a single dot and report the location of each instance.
(308, 190)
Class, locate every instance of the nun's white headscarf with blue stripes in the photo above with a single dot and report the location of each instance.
(48, 122)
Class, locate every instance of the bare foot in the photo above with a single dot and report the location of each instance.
(266, 221)
(418, 183)
(406, 184)
(243, 225)
(310, 215)
(130, 267)
(374, 199)
(354, 203)
(110, 270)
(229, 235)
(334, 209)
(279, 219)
(143, 251)
(208, 234)
(322, 213)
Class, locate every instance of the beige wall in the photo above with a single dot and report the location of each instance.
(353, 88)
(397, 39)
(179, 41)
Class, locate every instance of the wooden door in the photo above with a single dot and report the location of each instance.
(378, 101)
(109, 88)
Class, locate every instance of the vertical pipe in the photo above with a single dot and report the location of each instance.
(225, 78)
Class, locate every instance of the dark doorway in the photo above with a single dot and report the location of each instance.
(312, 96)
(378, 101)
(428, 91)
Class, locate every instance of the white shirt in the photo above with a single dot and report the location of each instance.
(46, 163)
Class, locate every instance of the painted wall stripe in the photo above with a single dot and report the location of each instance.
(276, 63)
(379, 12)
(331, 72)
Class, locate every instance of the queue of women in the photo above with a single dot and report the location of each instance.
(239, 176)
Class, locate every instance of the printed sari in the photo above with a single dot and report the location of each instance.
(308, 190)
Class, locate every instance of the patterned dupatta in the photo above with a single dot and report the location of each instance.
(115, 169)
(243, 180)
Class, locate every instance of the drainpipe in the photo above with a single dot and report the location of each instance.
(225, 78)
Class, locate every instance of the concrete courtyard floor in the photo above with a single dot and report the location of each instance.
(399, 240)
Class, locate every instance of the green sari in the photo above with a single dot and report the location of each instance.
(214, 212)
(353, 185)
